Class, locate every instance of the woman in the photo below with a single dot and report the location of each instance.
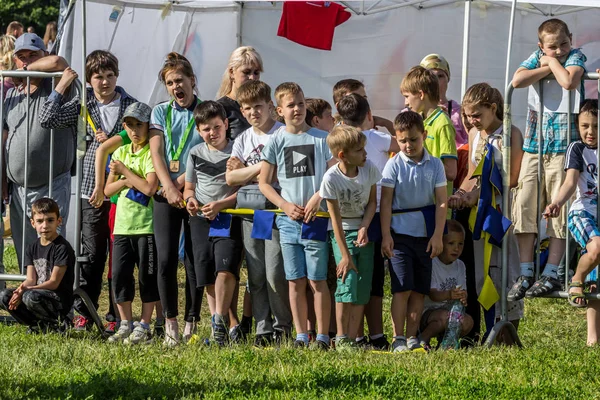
(172, 135)
(7, 47)
(50, 35)
(244, 64)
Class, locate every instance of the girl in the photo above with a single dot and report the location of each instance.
(482, 107)
(171, 138)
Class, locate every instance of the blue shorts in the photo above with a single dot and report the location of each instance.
(583, 227)
(410, 267)
(301, 257)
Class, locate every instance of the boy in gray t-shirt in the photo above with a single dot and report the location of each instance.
(217, 255)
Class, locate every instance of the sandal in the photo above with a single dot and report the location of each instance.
(574, 296)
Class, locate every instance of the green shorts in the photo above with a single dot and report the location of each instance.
(357, 288)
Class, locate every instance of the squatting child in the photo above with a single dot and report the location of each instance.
(413, 181)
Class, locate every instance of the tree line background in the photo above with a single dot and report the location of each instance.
(36, 13)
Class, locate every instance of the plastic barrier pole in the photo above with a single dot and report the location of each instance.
(26, 181)
(538, 214)
(51, 166)
(597, 203)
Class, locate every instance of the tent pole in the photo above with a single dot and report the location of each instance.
(465, 58)
(511, 30)
(239, 23)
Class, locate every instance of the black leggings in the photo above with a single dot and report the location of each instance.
(167, 228)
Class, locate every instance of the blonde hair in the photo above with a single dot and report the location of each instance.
(483, 95)
(245, 55)
(419, 78)
(345, 138)
(286, 88)
(50, 34)
(7, 47)
(253, 91)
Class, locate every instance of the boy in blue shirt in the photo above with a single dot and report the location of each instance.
(413, 181)
(299, 155)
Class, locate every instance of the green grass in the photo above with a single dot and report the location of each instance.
(554, 364)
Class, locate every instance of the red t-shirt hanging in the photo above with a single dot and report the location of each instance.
(311, 23)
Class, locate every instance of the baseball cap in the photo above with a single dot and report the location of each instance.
(29, 41)
(139, 111)
(435, 61)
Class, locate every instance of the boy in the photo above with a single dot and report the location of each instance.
(412, 179)
(554, 56)
(580, 164)
(318, 114)
(300, 156)
(44, 299)
(266, 277)
(351, 193)
(448, 283)
(355, 111)
(421, 91)
(216, 258)
(349, 86)
(133, 178)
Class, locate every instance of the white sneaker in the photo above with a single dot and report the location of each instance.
(139, 335)
(122, 334)
(171, 334)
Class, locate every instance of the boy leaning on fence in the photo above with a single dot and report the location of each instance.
(555, 56)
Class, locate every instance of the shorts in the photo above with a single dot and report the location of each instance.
(583, 227)
(215, 254)
(427, 313)
(357, 287)
(301, 257)
(378, 271)
(525, 204)
(129, 251)
(410, 267)
(331, 270)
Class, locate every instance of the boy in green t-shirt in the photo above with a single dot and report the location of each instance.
(133, 178)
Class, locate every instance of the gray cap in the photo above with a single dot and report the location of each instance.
(139, 111)
(29, 41)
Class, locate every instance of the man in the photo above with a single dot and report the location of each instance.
(14, 29)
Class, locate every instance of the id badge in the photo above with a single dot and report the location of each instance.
(174, 166)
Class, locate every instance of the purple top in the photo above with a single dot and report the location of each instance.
(7, 83)
(462, 136)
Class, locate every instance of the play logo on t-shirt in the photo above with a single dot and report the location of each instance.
(299, 161)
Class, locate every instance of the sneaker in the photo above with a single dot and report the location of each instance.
(110, 328)
(544, 285)
(264, 340)
(237, 335)
(362, 343)
(299, 344)
(345, 344)
(171, 334)
(187, 337)
(399, 345)
(220, 332)
(246, 326)
(414, 344)
(281, 337)
(380, 343)
(82, 324)
(320, 345)
(122, 334)
(426, 346)
(139, 335)
(159, 329)
(518, 290)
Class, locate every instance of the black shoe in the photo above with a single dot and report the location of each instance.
(363, 343)
(518, 290)
(264, 340)
(299, 344)
(159, 330)
(281, 337)
(321, 345)
(246, 326)
(544, 285)
(380, 343)
(237, 335)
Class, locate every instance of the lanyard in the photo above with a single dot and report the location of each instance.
(91, 123)
(176, 153)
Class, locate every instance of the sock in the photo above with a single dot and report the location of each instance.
(375, 337)
(159, 321)
(303, 337)
(323, 338)
(527, 269)
(190, 328)
(359, 338)
(338, 338)
(551, 270)
(399, 337)
(145, 325)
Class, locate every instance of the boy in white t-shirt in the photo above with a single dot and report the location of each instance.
(355, 111)
(350, 190)
(448, 283)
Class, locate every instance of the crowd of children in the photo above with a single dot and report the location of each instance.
(394, 203)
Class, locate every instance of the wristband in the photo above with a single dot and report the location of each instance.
(188, 198)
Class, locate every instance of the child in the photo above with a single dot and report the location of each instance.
(412, 179)
(355, 111)
(318, 114)
(133, 178)
(300, 156)
(351, 193)
(45, 298)
(448, 283)
(580, 164)
(266, 277)
(420, 89)
(554, 56)
(216, 258)
(349, 86)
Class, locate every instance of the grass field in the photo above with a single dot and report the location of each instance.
(554, 364)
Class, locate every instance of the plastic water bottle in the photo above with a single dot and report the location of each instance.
(452, 336)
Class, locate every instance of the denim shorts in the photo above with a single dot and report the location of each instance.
(301, 257)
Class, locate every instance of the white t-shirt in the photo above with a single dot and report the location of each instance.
(583, 159)
(248, 145)
(446, 277)
(352, 194)
(109, 114)
(378, 152)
